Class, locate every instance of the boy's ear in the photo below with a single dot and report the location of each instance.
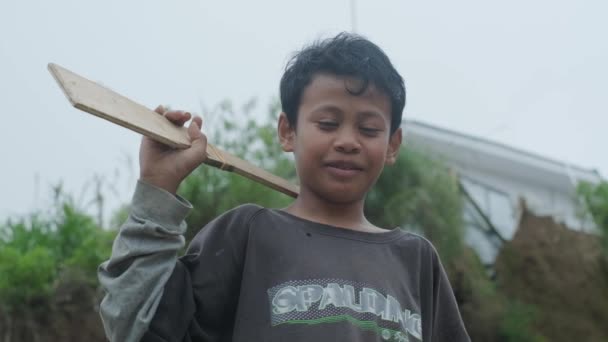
(286, 133)
(394, 143)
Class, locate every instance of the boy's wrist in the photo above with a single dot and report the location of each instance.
(161, 183)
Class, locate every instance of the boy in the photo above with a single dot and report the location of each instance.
(314, 271)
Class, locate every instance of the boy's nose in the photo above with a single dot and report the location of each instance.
(347, 142)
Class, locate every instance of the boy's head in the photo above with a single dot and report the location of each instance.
(342, 102)
(345, 55)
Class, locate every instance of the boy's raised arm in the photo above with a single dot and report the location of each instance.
(144, 253)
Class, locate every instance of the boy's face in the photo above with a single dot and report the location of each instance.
(341, 141)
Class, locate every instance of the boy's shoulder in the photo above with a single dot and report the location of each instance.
(426, 244)
(415, 244)
(420, 240)
(247, 210)
(240, 215)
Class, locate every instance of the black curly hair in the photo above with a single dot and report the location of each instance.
(346, 54)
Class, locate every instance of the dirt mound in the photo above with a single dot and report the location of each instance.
(560, 273)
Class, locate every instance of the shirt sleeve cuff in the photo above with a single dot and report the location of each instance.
(158, 205)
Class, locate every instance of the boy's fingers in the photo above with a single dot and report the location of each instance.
(197, 152)
(160, 109)
(194, 129)
(178, 117)
(198, 120)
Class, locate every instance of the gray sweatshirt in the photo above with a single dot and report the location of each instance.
(257, 274)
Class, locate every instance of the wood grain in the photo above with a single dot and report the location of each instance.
(100, 101)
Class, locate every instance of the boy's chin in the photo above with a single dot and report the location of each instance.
(341, 196)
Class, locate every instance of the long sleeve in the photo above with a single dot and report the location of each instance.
(143, 257)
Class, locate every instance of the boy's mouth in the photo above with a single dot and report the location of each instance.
(344, 165)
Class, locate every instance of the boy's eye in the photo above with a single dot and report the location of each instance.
(370, 131)
(327, 125)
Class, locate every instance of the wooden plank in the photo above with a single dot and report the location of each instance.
(95, 99)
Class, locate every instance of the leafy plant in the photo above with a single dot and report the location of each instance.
(595, 200)
(419, 194)
(517, 323)
(37, 250)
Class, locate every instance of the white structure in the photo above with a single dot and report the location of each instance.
(497, 177)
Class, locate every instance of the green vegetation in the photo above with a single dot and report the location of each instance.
(595, 200)
(419, 194)
(517, 323)
(42, 250)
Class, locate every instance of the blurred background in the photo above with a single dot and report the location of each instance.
(502, 166)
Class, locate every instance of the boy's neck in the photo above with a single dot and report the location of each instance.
(344, 215)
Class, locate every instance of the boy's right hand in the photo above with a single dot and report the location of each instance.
(166, 167)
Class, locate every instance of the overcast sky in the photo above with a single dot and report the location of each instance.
(530, 74)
